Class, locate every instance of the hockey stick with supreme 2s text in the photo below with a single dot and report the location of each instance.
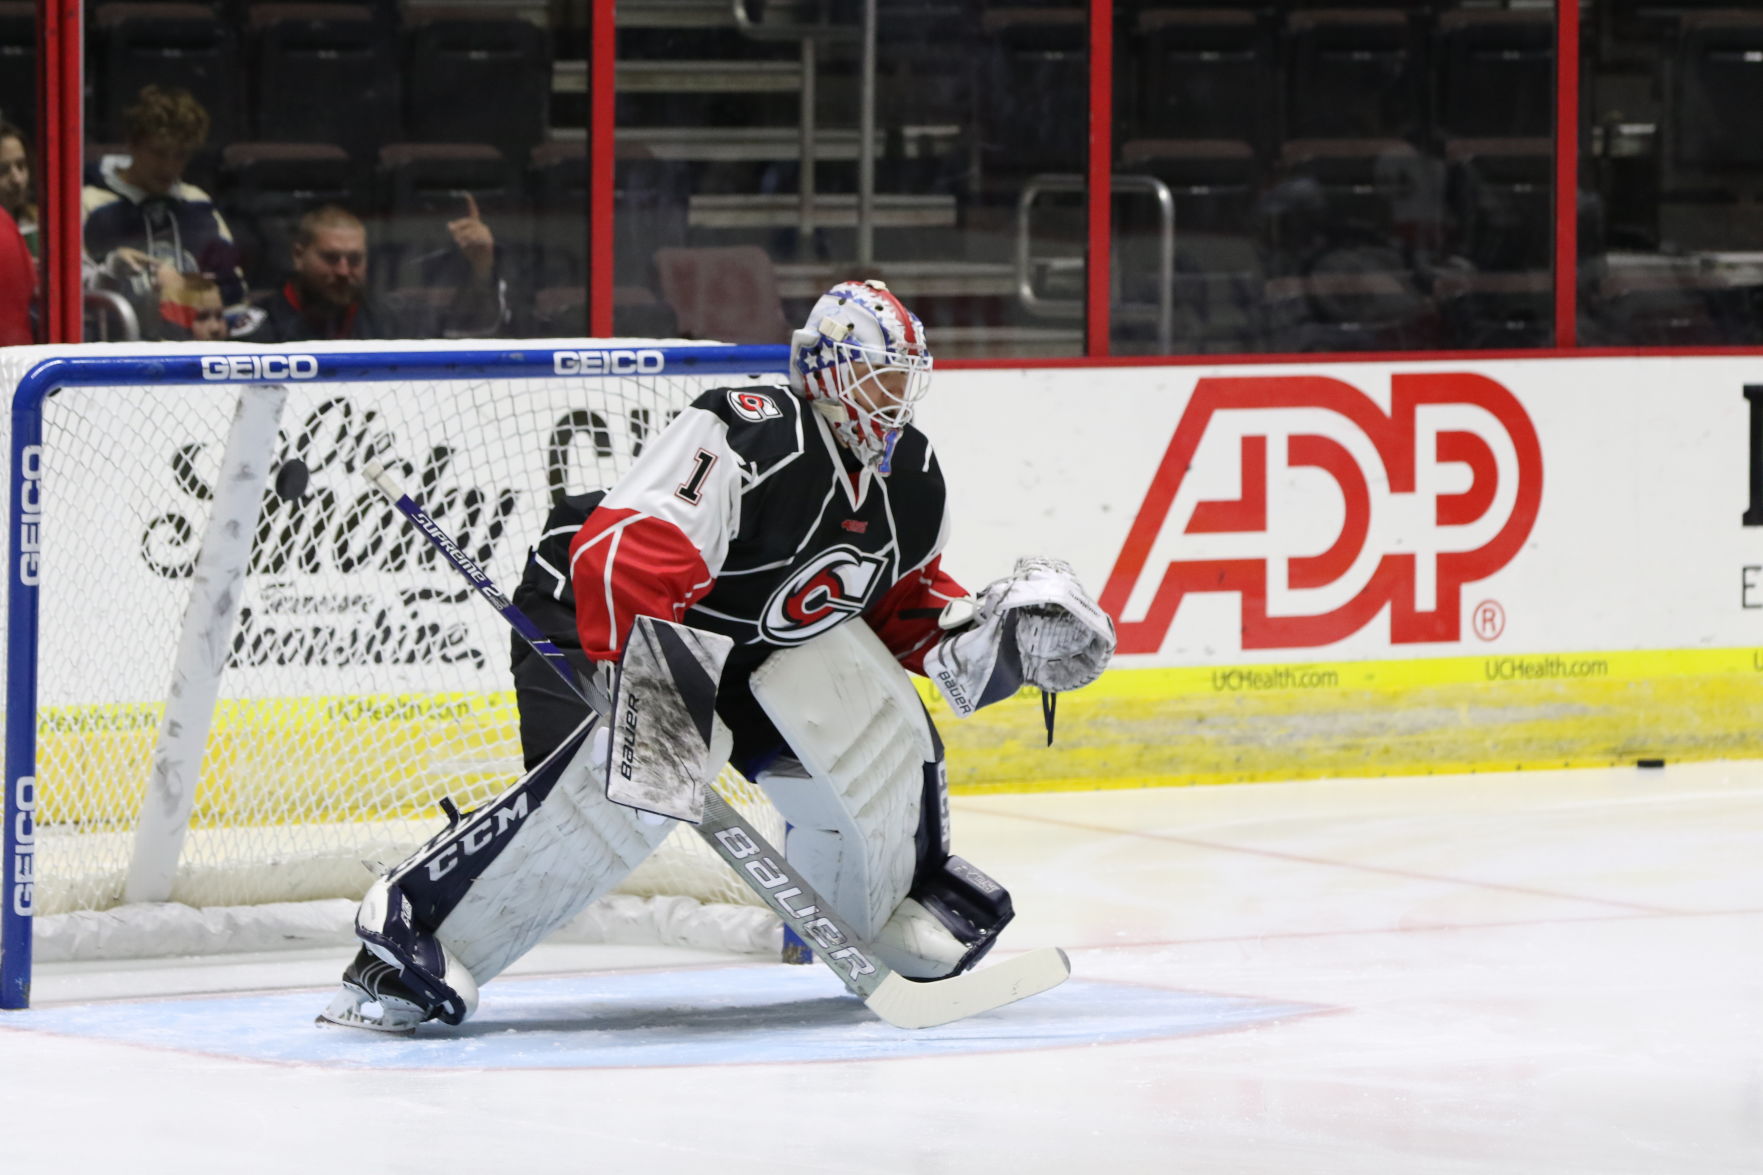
(902, 1002)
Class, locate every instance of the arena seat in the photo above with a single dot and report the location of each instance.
(1202, 74)
(1718, 90)
(1501, 193)
(1352, 73)
(324, 73)
(18, 64)
(166, 44)
(728, 294)
(476, 75)
(1494, 74)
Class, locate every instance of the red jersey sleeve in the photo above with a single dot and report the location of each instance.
(658, 539)
(906, 616)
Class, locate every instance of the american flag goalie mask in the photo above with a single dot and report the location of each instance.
(862, 362)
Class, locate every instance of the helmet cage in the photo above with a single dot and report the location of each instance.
(844, 361)
(858, 380)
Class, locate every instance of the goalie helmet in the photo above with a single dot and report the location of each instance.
(862, 362)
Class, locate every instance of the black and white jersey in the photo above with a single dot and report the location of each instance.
(746, 517)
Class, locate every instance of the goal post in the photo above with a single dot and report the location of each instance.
(232, 677)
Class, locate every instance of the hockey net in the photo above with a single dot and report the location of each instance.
(361, 682)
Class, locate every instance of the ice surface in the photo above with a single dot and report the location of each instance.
(1548, 972)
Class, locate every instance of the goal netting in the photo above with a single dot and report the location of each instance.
(210, 736)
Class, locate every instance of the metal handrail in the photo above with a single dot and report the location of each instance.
(1074, 308)
(121, 307)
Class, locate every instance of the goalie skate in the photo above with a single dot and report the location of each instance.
(375, 998)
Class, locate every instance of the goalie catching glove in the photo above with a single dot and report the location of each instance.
(1035, 627)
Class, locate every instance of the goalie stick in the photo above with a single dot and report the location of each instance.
(902, 1002)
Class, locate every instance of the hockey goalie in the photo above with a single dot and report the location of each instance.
(801, 530)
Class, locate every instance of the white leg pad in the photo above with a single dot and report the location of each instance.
(853, 720)
(572, 846)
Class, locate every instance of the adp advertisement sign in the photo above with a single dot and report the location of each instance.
(1316, 509)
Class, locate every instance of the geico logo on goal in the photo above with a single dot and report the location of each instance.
(646, 362)
(1316, 508)
(259, 367)
(30, 515)
(24, 838)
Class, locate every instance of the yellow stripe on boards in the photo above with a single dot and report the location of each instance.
(291, 760)
(1253, 723)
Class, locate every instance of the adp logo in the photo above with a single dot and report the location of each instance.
(1303, 498)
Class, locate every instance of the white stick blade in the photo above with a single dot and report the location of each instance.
(908, 1003)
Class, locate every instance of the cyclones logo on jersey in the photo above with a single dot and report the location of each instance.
(754, 406)
(820, 595)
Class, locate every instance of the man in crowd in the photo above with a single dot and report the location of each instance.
(17, 195)
(141, 207)
(327, 299)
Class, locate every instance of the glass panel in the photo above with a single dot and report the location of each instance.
(728, 229)
(1341, 178)
(1674, 167)
(355, 170)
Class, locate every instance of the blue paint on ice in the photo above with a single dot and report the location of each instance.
(702, 1017)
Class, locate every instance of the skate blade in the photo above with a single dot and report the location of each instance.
(347, 1010)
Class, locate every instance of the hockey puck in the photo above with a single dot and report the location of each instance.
(291, 479)
(1649, 762)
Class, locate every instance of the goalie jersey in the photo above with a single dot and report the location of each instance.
(746, 517)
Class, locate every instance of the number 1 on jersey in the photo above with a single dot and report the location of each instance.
(692, 489)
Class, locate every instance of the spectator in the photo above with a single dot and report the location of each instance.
(326, 298)
(17, 194)
(18, 283)
(143, 204)
(189, 307)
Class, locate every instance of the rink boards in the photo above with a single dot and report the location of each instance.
(1332, 569)
(1317, 569)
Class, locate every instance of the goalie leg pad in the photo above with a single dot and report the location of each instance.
(867, 799)
(853, 792)
(492, 885)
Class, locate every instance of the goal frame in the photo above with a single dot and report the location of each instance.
(236, 365)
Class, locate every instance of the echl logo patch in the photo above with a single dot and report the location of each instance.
(820, 595)
(754, 406)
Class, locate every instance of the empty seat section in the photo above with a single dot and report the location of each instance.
(1494, 74)
(1718, 92)
(728, 294)
(185, 45)
(324, 73)
(1665, 306)
(1202, 74)
(476, 76)
(1501, 193)
(1350, 312)
(1035, 103)
(1351, 73)
(18, 64)
(1497, 311)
